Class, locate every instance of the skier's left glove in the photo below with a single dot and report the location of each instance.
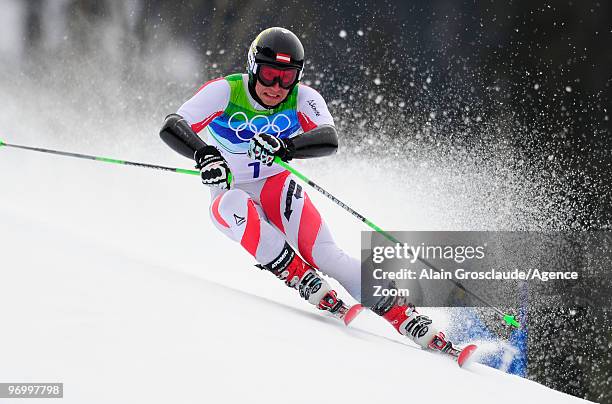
(265, 148)
(213, 167)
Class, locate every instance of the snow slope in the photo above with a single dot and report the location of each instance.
(113, 282)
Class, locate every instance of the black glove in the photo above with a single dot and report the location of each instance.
(265, 148)
(213, 167)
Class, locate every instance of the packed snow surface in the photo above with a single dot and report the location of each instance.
(113, 281)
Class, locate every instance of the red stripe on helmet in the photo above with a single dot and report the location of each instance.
(283, 57)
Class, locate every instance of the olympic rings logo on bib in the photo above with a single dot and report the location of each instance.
(263, 120)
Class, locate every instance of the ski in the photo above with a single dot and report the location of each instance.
(465, 355)
(440, 344)
(347, 313)
(351, 313)
(461, 356)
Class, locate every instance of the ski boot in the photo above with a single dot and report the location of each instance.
(420, 328)
(297, 274)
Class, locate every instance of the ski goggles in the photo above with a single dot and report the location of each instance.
(286, 78)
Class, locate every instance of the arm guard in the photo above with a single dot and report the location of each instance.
(318, 142)
(177, 134)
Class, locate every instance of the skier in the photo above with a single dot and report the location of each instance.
(249, 119)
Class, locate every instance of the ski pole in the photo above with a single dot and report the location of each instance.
(508, 318)
(102, 159)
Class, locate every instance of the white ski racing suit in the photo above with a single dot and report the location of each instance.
(266, 206)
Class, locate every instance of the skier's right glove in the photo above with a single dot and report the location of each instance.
(213, 167)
